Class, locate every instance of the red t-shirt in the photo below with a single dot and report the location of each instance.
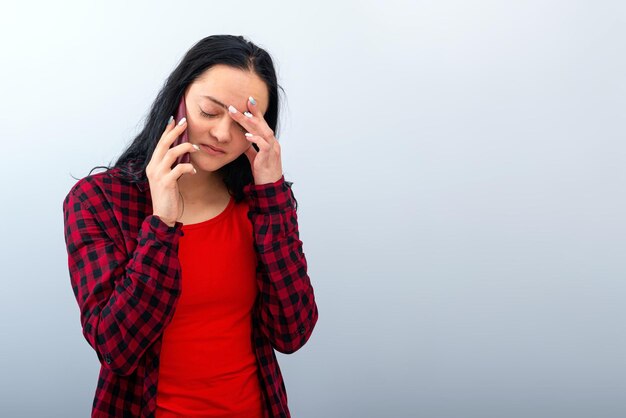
(207, 364)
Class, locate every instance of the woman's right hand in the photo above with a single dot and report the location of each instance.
(162, 178)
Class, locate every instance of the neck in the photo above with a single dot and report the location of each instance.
(202, 188)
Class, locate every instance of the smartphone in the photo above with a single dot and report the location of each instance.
(181, 112)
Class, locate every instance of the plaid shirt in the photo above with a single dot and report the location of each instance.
(126, 277)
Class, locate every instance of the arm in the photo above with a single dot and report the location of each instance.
(286, 308)
(124, 302)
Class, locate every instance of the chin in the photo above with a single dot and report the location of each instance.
(209, 167)
(208, 164)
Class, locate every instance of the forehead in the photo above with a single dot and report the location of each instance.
(231, 86)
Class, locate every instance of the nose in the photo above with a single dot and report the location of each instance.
(221, 129)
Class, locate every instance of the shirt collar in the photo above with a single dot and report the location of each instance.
(142, 185)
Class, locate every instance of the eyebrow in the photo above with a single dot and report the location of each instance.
(213, 99)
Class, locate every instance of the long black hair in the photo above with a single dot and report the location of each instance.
(230, 50)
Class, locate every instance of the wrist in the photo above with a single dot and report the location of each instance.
(270, 197)
(166, 221)
(267, 180)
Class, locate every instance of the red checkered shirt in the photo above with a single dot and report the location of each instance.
(126, 277)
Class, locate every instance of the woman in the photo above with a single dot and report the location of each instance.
(188, 278)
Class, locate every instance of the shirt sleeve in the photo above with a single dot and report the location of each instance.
(125, 302)
(286, 308)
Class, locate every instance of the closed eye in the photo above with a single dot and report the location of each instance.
(211, 115)
(207, 115)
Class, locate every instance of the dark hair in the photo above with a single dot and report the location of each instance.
(230, 50)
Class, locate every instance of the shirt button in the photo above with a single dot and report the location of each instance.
(107, 359)
(301, 330)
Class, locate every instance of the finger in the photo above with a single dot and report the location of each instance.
(179, 170)
(258, 140)
(253, 124)
(263, 144)
(238, 117)
(253, 108)
(172, 132)
(168, 136)
(170, 124)
(173, 153)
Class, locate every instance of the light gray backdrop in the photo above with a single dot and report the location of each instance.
(460, 172)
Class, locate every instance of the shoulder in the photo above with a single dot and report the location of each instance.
(113, 201)
(100, 188)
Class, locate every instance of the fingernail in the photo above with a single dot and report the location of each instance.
(248, 114)
(248, 134)
(232, 109)
(180, 122)
(170, 120)
(196, 147)
(252, 100)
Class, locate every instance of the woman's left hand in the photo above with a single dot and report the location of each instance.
(266, 163)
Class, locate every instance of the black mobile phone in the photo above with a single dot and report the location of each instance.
(181, 112)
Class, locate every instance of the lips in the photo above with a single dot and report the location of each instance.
(213, 148)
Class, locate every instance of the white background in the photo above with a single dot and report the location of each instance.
(459, 167)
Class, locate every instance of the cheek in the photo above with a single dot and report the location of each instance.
(242, 143)
(196, 127)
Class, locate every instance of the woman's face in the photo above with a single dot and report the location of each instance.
(207, 100)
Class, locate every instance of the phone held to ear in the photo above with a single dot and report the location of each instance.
(181, 112)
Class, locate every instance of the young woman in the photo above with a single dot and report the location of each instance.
(188, 275)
